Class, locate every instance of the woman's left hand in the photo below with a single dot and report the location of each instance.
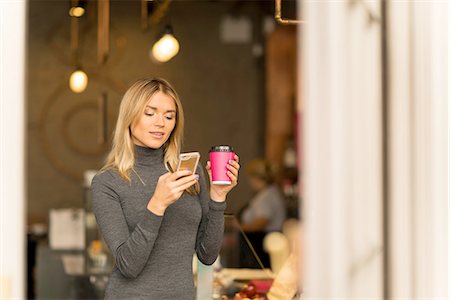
(219, 192)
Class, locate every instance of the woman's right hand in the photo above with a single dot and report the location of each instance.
(169, 189)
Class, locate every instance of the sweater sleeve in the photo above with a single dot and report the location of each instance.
(210, 232)
(130, 249)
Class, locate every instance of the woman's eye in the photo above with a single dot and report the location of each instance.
(169, 118)
(149, 114)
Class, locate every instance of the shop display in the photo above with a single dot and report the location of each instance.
(249, 291)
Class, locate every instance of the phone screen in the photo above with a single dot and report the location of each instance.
(188, 161)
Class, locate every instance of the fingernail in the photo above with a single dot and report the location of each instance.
(197, 176)
(230, 161)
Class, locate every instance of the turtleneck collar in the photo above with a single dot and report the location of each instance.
(146, 156)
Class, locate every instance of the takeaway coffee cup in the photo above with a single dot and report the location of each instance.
(219, 157)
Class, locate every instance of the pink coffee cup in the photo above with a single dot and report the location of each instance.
(219, 156)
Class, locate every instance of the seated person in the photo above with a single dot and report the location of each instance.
(264, 213)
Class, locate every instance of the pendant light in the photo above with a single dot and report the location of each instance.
(166, 47)
(77, 8)
(76, 11)
(78, 81)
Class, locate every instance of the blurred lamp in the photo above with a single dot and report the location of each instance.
(76, 11)
(78, 81)
(77, 8)
(166, 47)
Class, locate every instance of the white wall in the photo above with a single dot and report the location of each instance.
(12, 70)
(340, 68)
(418, 39)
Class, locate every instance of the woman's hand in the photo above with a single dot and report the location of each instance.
(219, 192)
(169, 189)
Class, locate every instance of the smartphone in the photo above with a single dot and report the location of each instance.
(188, 161)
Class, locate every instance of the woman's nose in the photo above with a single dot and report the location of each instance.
(159, 120)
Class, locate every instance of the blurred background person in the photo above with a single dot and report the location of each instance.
(264, 213)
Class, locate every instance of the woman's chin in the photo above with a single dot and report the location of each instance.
(150, 142)
(154, 144)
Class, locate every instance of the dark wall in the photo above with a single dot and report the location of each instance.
(221, 87)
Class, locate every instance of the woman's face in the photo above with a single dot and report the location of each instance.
(153, 128)
(256, 184)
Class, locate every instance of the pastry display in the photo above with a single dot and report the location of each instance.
(249, 291)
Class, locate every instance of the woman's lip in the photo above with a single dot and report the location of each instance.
(157, 135)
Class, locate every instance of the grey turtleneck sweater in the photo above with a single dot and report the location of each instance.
(153, 254)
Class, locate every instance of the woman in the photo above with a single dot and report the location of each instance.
(266, 211)
(152, 218)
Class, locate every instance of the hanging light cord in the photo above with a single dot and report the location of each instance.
(269, 274)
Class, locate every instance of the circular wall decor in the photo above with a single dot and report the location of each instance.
(68, 129)
(68, 124)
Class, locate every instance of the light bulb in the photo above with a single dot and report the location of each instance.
(165, 48)
(78, 81)
(76, 11)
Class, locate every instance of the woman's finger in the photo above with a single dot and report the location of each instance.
(233, 169)
(178, 174)
(234, 164)
(165, 175)
(233, 177)
(208, 168)
(184, 186)
(184, 180)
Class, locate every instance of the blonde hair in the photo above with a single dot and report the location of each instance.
(260, 168)
(121, 157)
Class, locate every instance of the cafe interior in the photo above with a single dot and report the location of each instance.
(339, 107)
